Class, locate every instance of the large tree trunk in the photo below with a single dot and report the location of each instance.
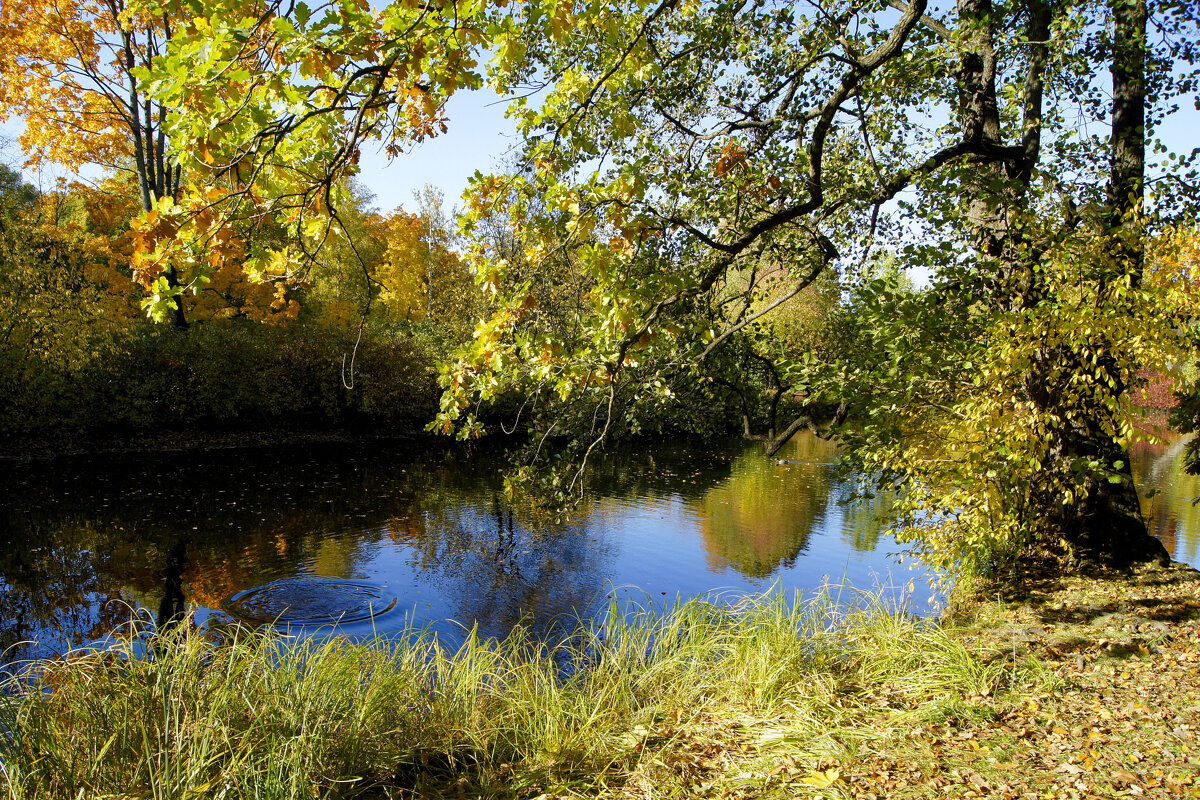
(1102, 521)
(1108, 526)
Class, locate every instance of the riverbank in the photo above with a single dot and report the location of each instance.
(1070, 688)
(1115, 712)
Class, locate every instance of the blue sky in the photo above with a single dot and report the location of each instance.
(477, 139)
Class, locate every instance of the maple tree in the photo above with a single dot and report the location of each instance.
(390, 271)
(106, 210)
(421, 278)
(268, 106)
(69, 72)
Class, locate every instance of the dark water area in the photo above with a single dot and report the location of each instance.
(380, 538)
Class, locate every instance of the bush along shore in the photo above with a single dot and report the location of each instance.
(1069, 688)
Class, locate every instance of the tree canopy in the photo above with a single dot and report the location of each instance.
(688, 169)
(268, 104)
(70, 74)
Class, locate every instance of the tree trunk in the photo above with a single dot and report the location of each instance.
(149, 157)
(1108, 526)
(1102, 522)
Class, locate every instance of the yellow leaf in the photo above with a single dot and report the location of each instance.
(823, 778)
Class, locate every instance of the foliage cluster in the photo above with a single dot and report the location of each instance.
(549, 339)
(267, 106)
(945, 408)
(77, 355)
(231, 376)
(1185, 262)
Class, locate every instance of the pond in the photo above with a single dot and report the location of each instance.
(379, 538)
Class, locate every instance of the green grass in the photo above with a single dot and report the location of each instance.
(700, 696)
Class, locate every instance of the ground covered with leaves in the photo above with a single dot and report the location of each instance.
(1100, 698)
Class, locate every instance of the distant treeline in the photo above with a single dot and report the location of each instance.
(354, 343)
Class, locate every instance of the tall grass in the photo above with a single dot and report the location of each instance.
(258, 718)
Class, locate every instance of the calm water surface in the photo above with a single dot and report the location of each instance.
(391, 536)
(1170, 497)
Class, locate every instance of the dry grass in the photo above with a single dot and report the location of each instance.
(706, 700)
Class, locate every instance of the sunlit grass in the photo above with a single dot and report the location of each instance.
(682, 699)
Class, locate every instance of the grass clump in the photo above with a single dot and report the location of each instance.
(746, 698)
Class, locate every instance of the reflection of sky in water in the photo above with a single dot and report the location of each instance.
(749, 526)
(90, 541)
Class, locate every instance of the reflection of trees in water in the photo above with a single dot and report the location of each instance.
(159, 533)
(756, 514)
(1168, 493)
(500, 571)
(53, 590)
(864, 519)
(152, 531)
(684, 468)
(172, 607)
(761, 517)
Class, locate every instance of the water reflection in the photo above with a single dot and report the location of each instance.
(173, 606)
(760, 518)
(57, 587)
(475, 562)
(90, 543)
(1169, 497)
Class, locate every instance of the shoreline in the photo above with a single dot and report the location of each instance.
(1050, 687)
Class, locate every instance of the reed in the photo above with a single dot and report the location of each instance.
(685, 698)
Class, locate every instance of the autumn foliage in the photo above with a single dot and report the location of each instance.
(79, 356)
(64, 64)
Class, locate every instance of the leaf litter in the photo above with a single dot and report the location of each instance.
(1103, 701)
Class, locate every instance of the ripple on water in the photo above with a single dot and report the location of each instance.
(310, 600)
